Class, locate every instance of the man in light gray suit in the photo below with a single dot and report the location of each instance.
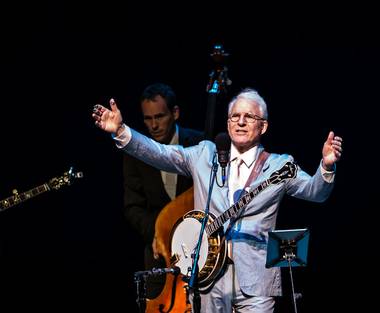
(245, 284)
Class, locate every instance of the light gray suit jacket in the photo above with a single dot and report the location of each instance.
(250, 233)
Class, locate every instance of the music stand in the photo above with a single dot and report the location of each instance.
(288, 248)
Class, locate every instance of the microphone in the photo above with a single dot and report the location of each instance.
(223, 145)
(167, 270)
(159, 271)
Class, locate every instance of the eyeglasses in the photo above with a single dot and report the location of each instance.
(248, 118)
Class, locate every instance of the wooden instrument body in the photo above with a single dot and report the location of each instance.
(169, 215)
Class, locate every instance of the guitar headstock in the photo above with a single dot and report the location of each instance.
(65, 180)
(289, 170)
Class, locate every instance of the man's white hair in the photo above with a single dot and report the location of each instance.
(251, 95)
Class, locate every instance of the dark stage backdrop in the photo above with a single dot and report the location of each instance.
(72, 248)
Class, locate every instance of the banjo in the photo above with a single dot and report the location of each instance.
(213, 251)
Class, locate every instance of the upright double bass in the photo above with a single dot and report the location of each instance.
(174, 297)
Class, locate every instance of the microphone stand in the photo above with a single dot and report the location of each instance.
(193, 281)
(140, 281)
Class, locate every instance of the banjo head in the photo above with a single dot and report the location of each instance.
(184, 239)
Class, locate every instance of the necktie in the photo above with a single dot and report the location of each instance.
(170, 184)
(236, 181)
(234, 190)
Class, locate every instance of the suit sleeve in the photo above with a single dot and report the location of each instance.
(312, 188)
(135, 203)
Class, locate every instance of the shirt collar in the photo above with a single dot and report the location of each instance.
(248, 157)
(175, 138)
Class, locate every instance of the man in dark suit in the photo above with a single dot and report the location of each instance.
(146, 189)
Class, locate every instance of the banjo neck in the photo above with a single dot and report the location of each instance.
(235, 208)
(289, 170)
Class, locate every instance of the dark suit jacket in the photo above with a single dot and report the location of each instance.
(145, 196)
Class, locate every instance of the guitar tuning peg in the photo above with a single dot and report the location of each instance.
(14, 191)
(79, 175)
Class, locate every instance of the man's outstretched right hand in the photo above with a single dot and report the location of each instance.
(110, 121)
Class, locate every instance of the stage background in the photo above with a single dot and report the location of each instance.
(72, 248)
